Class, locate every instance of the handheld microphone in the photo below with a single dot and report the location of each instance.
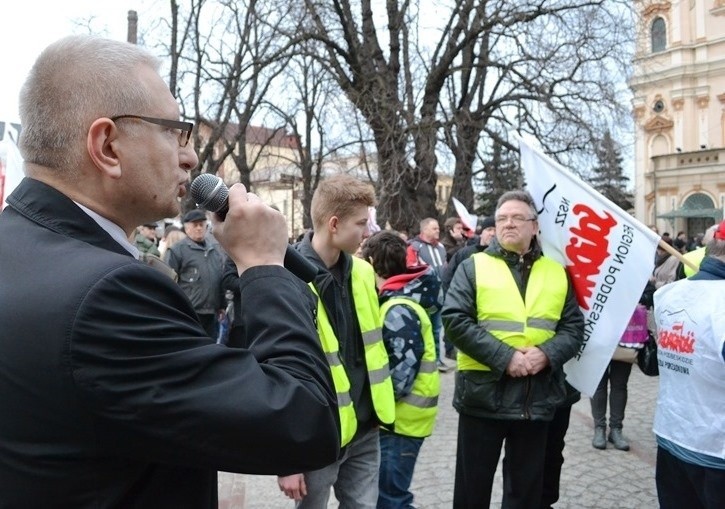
(210, 193)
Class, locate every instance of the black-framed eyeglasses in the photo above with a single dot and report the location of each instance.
(185, 128)
(517, 220)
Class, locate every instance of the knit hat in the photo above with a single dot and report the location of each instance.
(720, 232)
(488, 222)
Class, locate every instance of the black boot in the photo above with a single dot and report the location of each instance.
(616, 437)
(600, 438)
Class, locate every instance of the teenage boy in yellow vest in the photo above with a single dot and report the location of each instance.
(406, 296)
(348, 325)
(514, 318)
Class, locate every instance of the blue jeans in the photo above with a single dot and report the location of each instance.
(397, 462)
(354, 477)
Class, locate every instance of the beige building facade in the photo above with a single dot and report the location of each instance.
(679, 108)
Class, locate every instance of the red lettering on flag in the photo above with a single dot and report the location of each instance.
(588, 248)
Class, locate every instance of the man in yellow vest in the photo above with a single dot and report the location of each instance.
(348, 323)
(514, 318)
(696, 255)
(407, 296)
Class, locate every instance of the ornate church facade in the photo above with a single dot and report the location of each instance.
(679, 108)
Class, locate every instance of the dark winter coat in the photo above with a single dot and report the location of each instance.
(200, 273)
(494, 394)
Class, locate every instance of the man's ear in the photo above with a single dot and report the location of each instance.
(333, 223)
(101, 145)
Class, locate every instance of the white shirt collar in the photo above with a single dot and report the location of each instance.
(115, 231)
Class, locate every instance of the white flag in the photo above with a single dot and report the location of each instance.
(11, 168)
(372, 224)
(469, 220)
(608, 254)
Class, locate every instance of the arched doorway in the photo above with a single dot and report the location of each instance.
(698, 223)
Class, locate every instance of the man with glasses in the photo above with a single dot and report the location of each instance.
(111, 392)
(514, 318)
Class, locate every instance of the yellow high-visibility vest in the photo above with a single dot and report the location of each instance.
(505, 315)
(695, 257)
(415, 413)
(376, 357)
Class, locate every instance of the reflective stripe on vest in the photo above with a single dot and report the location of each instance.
(695, 257)
(348, 421)
(376, 357)
(416, 412)
(505, 315)
(367, 309)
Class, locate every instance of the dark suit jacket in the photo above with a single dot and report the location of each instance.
(111, 393)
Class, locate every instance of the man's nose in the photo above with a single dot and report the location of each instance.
(188, 159)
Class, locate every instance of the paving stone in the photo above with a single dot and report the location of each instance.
(590, 478)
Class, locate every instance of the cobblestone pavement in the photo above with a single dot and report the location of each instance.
(590, 478)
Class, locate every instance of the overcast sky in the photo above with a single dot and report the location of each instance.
(30, 25)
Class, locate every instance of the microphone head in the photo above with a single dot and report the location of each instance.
(209, 192)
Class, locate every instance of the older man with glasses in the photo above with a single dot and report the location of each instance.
(513, 316)
(112, 394)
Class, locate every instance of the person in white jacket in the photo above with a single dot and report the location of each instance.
(690, 416)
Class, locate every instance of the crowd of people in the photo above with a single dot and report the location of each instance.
(135, 381)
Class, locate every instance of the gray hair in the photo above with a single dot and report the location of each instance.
(709, 234)
(715, 248)
(425, 222)
(73, 82)
(518, 195)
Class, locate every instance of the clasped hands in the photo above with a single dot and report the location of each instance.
(527, 361)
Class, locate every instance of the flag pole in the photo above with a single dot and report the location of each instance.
(674, 252)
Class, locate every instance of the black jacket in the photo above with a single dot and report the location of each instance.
(111, 393)
(230, 282)
(462, 254)
(200, 273)
(493, 393)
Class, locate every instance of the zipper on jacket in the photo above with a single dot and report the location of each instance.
(527, 399)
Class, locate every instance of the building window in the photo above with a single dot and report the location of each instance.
(659, 35)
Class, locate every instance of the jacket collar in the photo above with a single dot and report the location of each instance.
(429, 242)
(305, 247)
(497, 250)
(710, 268)
(51, 209)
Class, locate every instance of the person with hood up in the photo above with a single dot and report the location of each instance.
(407, 296)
